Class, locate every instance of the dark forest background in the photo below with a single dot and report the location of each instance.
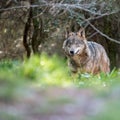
(34, 26)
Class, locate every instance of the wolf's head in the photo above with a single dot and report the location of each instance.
(75, 43)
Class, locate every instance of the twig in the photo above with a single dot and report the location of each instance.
(63, 6)
(19, 7)
(104, 35)
(103, 15)
(38, 15)
(92, 35)
(98, 31)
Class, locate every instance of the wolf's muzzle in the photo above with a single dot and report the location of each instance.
(71, 52)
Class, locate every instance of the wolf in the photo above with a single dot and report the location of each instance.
(85, 56)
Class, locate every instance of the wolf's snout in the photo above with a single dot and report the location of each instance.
(71, 52)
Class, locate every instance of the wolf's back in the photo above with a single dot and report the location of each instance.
(98, 54)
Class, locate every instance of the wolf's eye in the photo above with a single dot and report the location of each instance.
(81, 42)
(70, 41)
(77, 42)
(68, 45)
(67, 42)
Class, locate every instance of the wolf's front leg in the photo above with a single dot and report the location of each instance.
(72, 66)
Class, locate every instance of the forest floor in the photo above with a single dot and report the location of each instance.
(38, 89)
(62, 104)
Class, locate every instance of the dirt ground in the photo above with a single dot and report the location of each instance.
(56, 104)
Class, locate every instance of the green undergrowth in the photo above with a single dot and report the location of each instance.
(51, 71)
(20, 79)
(47, 71)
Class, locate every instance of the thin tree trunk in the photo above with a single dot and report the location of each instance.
(26, 31)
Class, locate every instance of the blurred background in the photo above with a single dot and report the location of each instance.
(35, 82)
(34, 26)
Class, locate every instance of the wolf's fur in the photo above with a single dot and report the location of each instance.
(85, 56)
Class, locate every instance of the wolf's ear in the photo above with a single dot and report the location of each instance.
(81, 33)
(64, 44)
(67, 32)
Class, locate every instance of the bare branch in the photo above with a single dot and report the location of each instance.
(104, 35)
(38, 15)
(98, 31)
(103, 15)
(92, 35)
(19, 7)
(63, 6)
(69, 7)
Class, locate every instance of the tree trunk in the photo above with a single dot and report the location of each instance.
(38, 36)
(25, 34)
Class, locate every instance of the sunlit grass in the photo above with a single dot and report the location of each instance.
(98, 81)
(47, 70)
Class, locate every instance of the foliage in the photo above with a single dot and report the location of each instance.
(51, 70)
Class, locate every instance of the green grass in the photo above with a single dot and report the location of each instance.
(18, 77)
(46, 71)
(51, 71)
